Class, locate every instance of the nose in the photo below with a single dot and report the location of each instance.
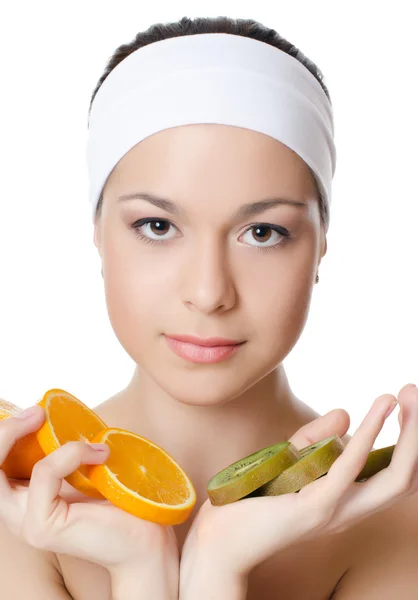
(207, 282)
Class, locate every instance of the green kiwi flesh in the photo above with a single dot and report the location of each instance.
(315, 461)
(249, 473)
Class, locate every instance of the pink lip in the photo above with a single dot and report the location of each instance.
(213, 341)
(199, 350)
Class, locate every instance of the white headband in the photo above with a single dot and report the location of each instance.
(210, 78)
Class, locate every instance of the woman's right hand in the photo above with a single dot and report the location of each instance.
(234, 538)
(95, 530)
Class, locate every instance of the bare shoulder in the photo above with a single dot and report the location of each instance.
(382, 554)
(42, 577)
(110, 409)
(398, 525)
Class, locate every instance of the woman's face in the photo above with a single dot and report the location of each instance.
(202, 267)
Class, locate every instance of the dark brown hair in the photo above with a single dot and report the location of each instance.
(245, 27)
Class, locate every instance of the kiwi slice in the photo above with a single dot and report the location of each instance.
(376, 461)
(249, 473)
(315, 461)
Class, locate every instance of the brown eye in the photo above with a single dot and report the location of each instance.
(155, 230)
(261, 233)
(159, 227)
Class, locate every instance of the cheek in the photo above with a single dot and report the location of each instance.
(133, 299)
(277, 305)
(135, 288)
(133, 311)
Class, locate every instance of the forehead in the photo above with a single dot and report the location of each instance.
(211, 159)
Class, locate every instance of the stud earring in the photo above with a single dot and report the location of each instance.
(317, 278)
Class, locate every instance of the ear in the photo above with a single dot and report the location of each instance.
(324, 243)
(97, 236)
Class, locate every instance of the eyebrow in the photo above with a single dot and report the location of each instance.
(246, 210)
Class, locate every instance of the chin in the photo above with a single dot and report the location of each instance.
(212, 387)
(212, 397)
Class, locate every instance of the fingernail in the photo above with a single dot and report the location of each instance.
(99, 447)
(390, 409)
(28, 412)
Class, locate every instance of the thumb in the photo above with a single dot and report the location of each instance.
(335, 422)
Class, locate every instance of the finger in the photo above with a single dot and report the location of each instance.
(348, 465)
(402, 470)
(403, 390)
(11, 430)
(48, 473)
(71, 494)
(399, 478)
(335, 422)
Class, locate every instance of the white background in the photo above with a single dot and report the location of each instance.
(361, 337)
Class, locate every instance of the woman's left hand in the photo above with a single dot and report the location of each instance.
(236, 537)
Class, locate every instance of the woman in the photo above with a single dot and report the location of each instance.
(211, 237)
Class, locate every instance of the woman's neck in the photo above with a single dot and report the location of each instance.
(206, 439)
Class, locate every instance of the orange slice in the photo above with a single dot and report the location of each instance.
(142, 478)
(26, 451)
(68, 419)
